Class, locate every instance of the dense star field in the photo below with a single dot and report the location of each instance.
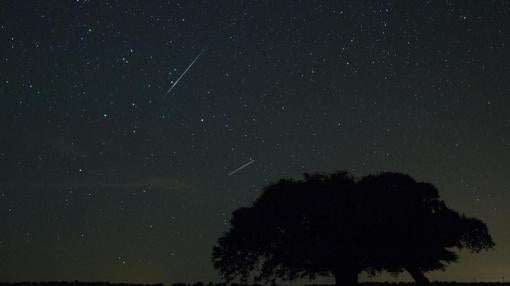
(130, 130)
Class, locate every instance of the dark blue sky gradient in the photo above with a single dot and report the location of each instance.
(103, 177)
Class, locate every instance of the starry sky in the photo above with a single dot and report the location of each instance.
(106, 176)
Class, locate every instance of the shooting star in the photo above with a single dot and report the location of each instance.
(242, 167)
(185, 71)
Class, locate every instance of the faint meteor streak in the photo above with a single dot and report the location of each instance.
(185, 71)
(242, 167)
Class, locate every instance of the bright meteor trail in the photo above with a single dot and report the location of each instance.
(185, 71)
(242, 167)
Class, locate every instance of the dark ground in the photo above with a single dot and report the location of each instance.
(78, 283)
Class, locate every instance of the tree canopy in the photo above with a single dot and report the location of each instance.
(336, 225)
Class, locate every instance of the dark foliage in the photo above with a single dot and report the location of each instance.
(336, 225)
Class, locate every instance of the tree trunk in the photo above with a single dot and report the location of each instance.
(346, 277)
(418, 276)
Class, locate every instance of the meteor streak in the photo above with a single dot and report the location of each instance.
(185, 71)
(242, 167)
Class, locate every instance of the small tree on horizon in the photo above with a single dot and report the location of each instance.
(334, 225)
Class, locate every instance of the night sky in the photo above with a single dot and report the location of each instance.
(105, 176)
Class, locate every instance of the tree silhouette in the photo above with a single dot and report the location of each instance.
(335, 225)
(294, 229)
(416, 231)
